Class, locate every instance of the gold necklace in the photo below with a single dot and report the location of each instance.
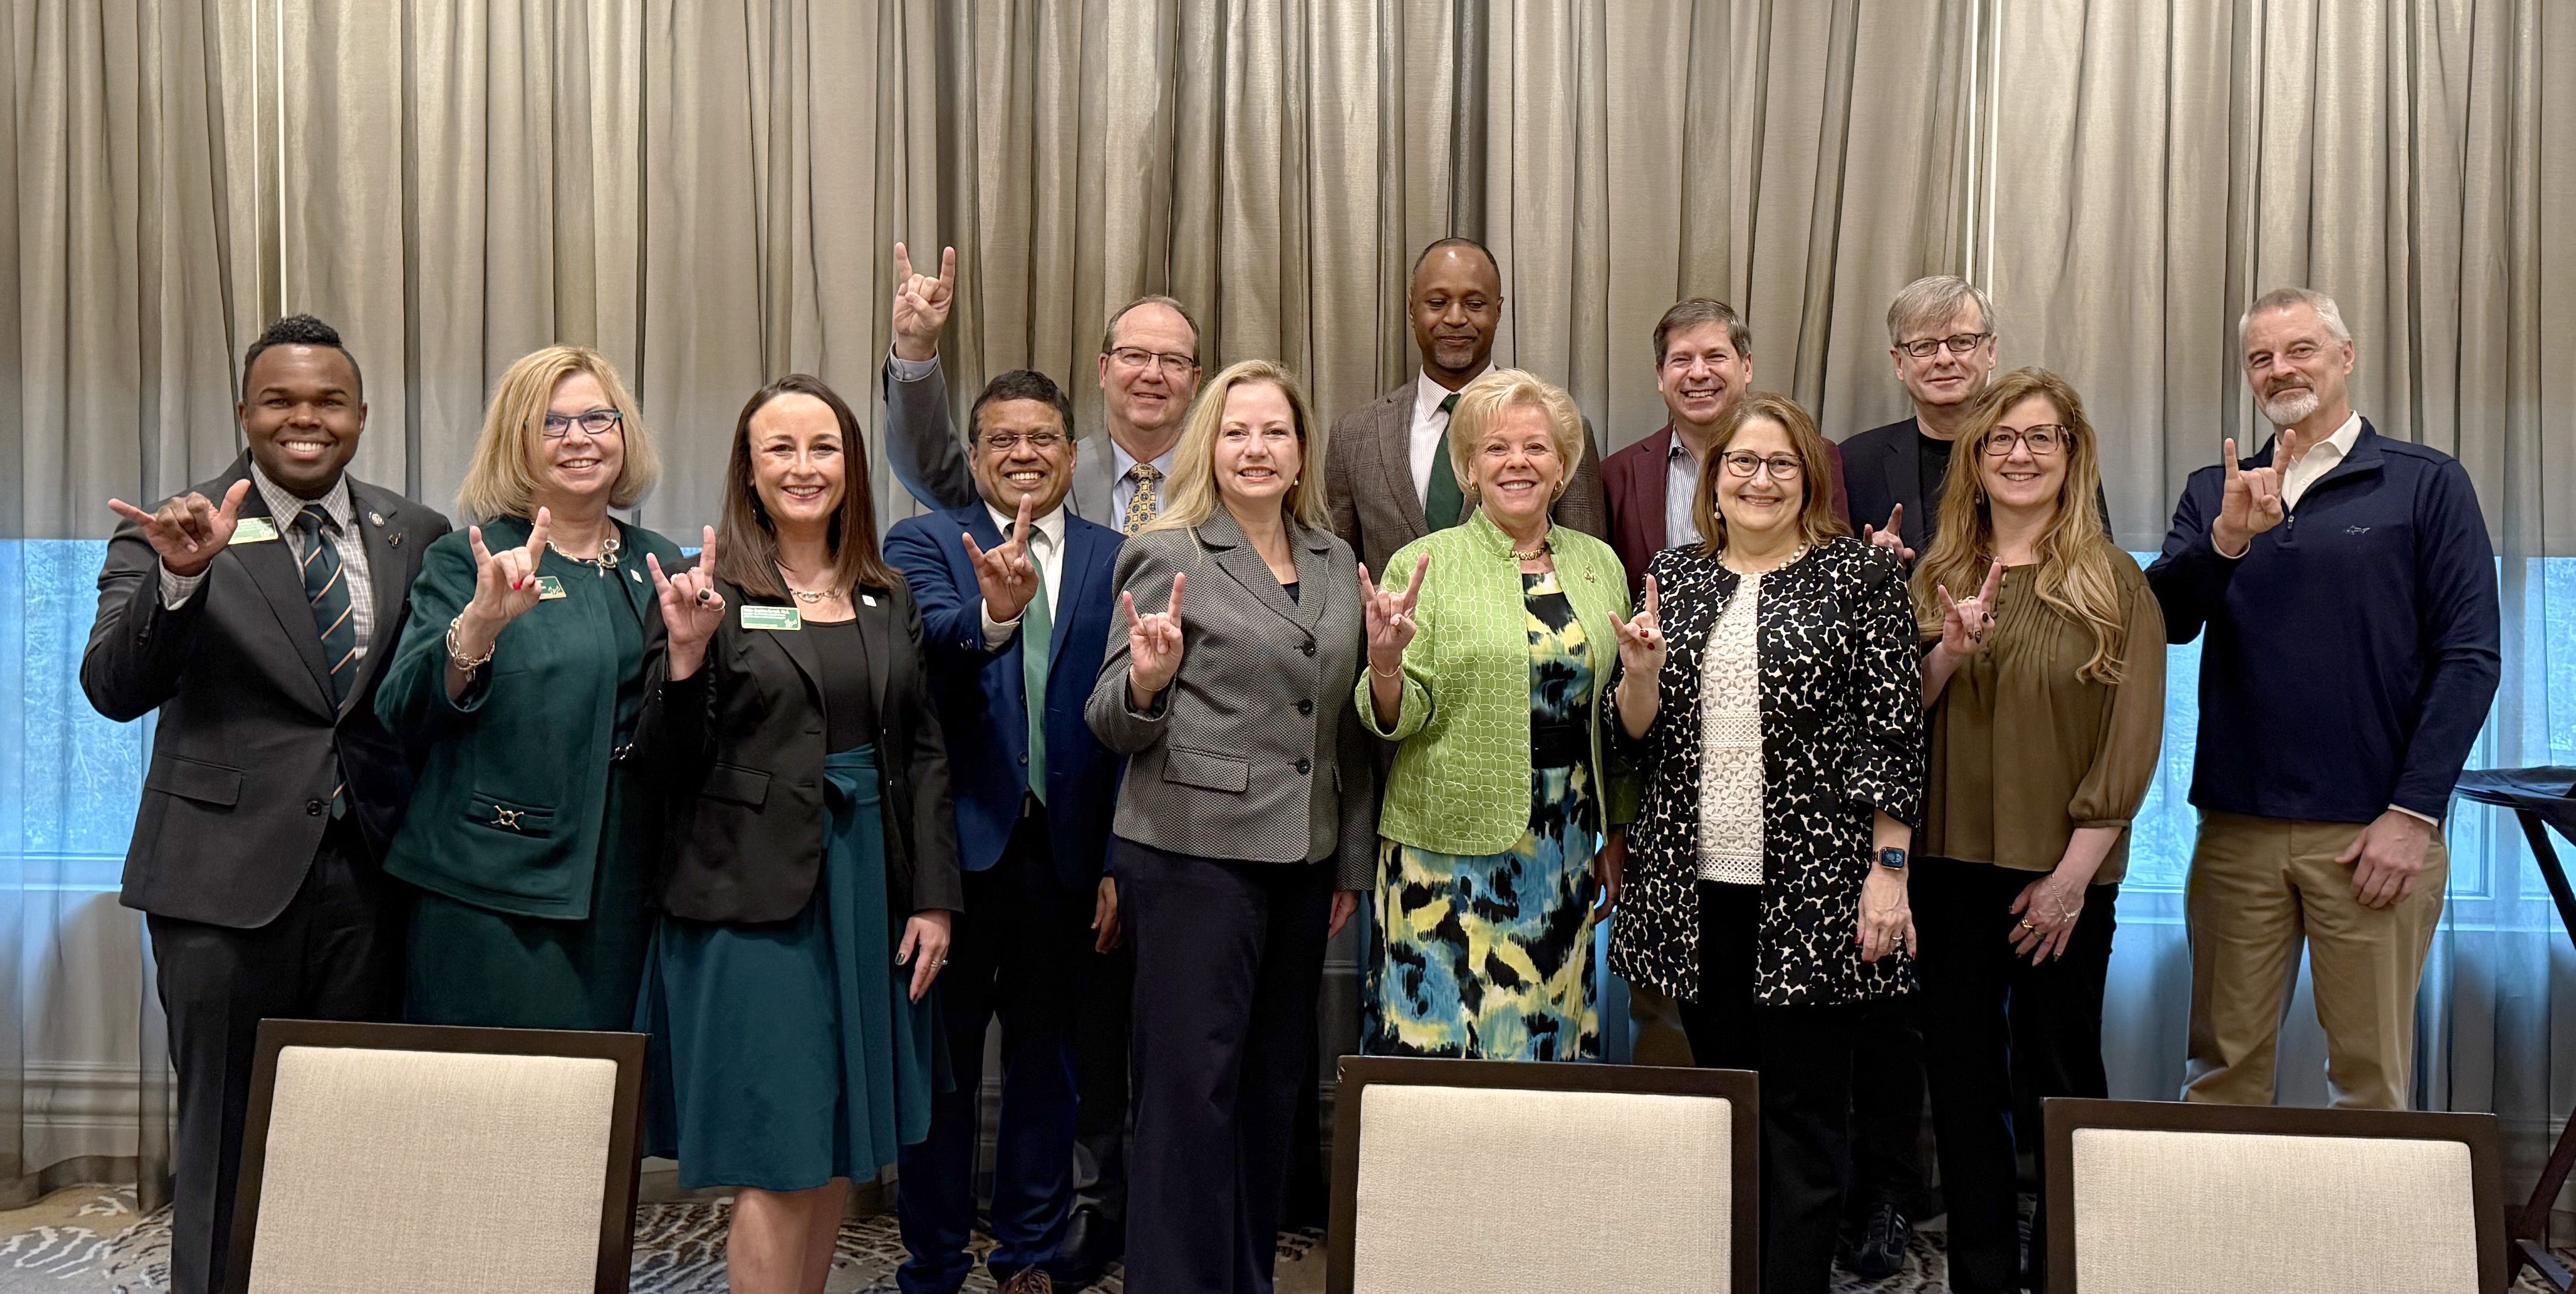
(1546, 545)
(809, 599)
(604, 563)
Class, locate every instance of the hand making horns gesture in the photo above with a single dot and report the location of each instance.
(1641, 636)
(2251, 501)
(1153, 645)
(1006, 576)
(505, 583)
(1965, 626)
(187, 531)
(1389, 616)
(691, 606)
(921, 304)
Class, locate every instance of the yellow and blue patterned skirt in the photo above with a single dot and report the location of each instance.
(1490, 957)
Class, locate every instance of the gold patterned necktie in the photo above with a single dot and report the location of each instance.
(1142, 505)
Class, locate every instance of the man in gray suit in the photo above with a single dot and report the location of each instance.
(1388, 474)
(255, 612)
(1149, 373)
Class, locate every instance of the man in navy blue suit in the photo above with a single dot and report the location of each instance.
(1016, 595)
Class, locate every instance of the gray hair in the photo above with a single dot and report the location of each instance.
(2328, 313)
(1927, 302)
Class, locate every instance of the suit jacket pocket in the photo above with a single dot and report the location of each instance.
(1201, 769)
(508, 818)
(193, 779)
(748, 787)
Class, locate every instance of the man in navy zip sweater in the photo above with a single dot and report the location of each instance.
(2349, 592)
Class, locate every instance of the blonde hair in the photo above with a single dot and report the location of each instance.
(1481, 401)
(1817, 519)
(2077, 578)
(1194, 497)
(502, 479)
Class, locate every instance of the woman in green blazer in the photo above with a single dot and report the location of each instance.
(531, 836)
(1489, 651)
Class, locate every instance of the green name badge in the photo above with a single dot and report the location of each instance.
(252, 530)
(549, 588)
(771, 618)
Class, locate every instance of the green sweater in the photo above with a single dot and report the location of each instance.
(1461, 781)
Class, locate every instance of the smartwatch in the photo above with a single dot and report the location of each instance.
(1892, 859)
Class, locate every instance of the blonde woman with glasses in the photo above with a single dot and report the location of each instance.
(532, 833)
(2044, 672)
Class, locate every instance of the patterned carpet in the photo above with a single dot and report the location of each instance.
(90, 1239)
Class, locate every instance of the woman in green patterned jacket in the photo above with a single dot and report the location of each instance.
(1490, 646)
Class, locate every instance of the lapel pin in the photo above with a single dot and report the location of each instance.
(394, 540)
(868, 598)
(375, 518)
(635, 577)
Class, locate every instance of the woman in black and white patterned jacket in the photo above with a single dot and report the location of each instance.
(1782, 754)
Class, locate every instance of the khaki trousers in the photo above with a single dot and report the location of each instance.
(2259, 889)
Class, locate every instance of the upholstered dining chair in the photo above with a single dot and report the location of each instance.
(2162, 1196)
(1496, 1177)
(405, 1158)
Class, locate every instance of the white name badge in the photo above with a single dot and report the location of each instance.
(253, 530)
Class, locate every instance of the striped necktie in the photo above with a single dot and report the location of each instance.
(1443, 503)
(1037, 638)
(1142, 505)
(326, 586)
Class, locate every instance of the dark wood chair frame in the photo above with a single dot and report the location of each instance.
(1359, 1073)
(617, 1200)
(2062, 1116)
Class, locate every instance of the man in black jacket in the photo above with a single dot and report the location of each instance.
(1941, 334)
(254, 613)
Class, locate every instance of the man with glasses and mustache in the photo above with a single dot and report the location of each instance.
(1149, 373)
(2349, 594)
(1389, 481)
(1016, 597)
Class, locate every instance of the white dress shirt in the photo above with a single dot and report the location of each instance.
(1046, 548)
(342, 534)
(1430, 429)
(2317, 460)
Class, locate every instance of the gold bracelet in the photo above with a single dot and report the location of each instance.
(456, 655)
(1375, 672)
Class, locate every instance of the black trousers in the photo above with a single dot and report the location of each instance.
(1887, 1108)
(335, 953)
(1229, 961)
(2000, 1023)
(1804, 1055)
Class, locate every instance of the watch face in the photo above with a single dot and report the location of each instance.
(1892, 858)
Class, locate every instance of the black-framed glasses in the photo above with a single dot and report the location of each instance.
(1137, 357)
(1960, 343)
(1744, 463)
(1003, 442)
(594, 422)
(2045, 439)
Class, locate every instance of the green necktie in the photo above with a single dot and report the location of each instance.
(326, 586)
(1443, 503)
(1037, 634)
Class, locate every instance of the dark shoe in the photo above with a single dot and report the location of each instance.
(1884, 1238)
(1092, 1241)
(1031, 1280)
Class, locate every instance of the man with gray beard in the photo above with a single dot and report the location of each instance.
(2349, 594)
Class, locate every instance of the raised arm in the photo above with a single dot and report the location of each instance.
(920, 444)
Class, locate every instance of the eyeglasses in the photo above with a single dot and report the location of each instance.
(1135, 358)
(2044, 440)
(595, 422)
(1783, 467)
(1959, 344)
(1003, 442)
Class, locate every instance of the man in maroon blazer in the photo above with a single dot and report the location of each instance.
(1703, 365)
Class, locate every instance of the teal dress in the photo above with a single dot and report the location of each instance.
(473, 965)
(1490, 957)
(786, 1055)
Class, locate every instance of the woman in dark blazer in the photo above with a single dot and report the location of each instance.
(1779, 740)
(532, 833)
(812, 849)
(1246, 824)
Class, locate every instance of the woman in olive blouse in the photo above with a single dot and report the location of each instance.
(2046, 698)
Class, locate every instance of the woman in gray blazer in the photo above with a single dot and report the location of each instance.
(1245, 825)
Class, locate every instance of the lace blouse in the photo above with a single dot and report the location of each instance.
(1730, 731)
